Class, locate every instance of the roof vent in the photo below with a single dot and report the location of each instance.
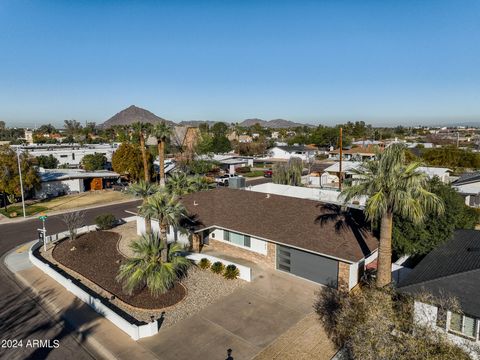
(473, 249)
(268, 196)
(195, 203)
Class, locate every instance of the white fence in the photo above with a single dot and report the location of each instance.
(135, 331)
(245, 272)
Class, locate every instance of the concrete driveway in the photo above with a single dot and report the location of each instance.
(247, 321)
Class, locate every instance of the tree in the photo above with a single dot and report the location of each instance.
(144, 190)
(142, 129)
(150, 269)
(373, 324)
(92, 162)
(289, 173)
(452, 157)
(205, 145)
(392, 188)
(47, 162)
(168, 210)
(179, 183)
(162, 132)
(220, 144)
(411, 238)
(72, 128)
(73, 220)
(127, 160)
(2, 125)
(9, 175)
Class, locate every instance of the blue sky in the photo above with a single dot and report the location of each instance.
(384, 62)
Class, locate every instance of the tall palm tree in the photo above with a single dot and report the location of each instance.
(143, 189)
(179, 183)
(142, 130)
(392, 187)
(168, 210)
(162, 131)
(148, 268)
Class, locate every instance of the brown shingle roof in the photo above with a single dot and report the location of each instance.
(301, 223)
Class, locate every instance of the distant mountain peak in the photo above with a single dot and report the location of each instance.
(134, 114)
(273, 124)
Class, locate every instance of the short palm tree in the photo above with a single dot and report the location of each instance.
(162, 132)
(142, 130)
(148, 268)
(392, 187)
(143, 189)
(179, 183)
(167, 209)
(200, 183)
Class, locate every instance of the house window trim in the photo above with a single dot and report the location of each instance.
(461, 334)
(241, 246)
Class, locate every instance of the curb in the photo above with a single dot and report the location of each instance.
(52, 310)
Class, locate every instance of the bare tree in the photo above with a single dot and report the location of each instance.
(73, 220)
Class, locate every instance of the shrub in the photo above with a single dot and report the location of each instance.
(204, 263)
(243, 170)
(217, 267)
(231, 272)
(106, 221)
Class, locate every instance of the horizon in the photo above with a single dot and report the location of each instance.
(309, 62)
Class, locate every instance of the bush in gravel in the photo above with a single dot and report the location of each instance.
(217, 267)
(106, 221)
(231, 272)
(204, 263)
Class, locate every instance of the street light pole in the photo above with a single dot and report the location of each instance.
(21, 182)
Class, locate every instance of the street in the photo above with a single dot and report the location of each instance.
(21, 315)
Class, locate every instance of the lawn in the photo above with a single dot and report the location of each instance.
(29, 210)
(254, 173)
(84, 199)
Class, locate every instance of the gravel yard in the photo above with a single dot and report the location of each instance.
(202, 286)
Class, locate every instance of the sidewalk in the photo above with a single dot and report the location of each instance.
(97, 332)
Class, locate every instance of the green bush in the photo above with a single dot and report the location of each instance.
(217, 267)
(106, 221)
(204, 263)
(243, 170)
(231, 272)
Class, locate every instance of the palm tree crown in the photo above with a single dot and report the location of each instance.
(143, 189)
(148, 268)
(164, 207)
(392, 187)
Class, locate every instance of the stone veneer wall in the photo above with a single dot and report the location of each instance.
(268, 260)
(343, 276)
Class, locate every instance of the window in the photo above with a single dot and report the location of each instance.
(226, 235)
(63, 156)
(236, 238)
(463, 324)
(73, 156)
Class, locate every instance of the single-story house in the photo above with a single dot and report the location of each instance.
(56, 182)
(468, 185)
(303, 237)
(452, 270)
(357, 153)
(287, 152)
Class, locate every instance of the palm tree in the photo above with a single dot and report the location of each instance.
(162, 132)
(143, 189)
(148, 268)
(392, 187)
(168, 210)
(141, 129)
(179, 183)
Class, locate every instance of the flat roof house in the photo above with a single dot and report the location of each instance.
(302, 237)
(451, 270)
(287, 152)
(468, 185)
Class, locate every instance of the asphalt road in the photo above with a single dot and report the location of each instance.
(21, 315)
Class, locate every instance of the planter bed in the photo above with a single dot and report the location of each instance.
(96, 258)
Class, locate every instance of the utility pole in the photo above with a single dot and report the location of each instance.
(340, 165)
(21, 182)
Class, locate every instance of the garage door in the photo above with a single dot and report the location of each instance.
(306, 265)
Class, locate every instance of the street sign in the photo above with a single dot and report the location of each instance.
(43, 216)
(41, 235)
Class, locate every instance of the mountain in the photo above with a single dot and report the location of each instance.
(272, 124)
(196, 123)
(133, 114)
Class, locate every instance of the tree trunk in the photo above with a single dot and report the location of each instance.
(161, 161)
(148, 226)
(163, 238)
(384, 267)
(144, 157)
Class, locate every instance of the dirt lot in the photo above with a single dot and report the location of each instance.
(84, 199)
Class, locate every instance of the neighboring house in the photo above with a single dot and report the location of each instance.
(229, 162)
(468, 185)
(450, 271)
(240, 138)
(287, 152)
(329, 178)
(297, 236)
(70, 155)
(56, 182)
(358, 153)
(185, 138)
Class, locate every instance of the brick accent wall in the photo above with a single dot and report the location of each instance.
(343, 275)
(232, 250)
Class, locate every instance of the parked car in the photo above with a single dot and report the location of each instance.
(223, 179)
(268, 173)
